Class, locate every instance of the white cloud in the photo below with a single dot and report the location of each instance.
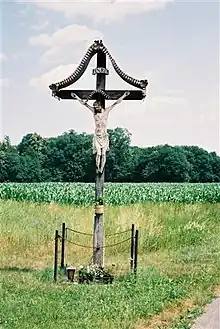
(41, 26)
(105, 10)
(4, 82)
(56, 74)
(166, 99)
(18, 55)
(69, 34)
(25, 8)
(64, 42)
(3, 57)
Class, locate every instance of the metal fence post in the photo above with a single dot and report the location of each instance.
(136, 252)
(63, 245)
(55, 255)
(132, 247)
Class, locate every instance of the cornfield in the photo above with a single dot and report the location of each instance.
(82, 194)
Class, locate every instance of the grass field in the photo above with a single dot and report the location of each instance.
(82, 194)
(179, 267)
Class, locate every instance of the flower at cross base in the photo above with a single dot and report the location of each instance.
(91, 273)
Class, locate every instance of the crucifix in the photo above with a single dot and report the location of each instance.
(100, 138)
(100, 114)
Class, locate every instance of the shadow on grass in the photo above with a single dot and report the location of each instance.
(16, 269)
(42, 275)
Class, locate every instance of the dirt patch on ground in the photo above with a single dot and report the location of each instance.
(217, 291)
(167, 317)
(164, 319)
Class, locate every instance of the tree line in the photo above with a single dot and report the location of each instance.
(69, 158)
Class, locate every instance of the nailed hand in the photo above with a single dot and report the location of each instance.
(73, 95)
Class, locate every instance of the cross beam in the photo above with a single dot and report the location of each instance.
(112, 94)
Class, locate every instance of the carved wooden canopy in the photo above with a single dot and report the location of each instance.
(98, 47)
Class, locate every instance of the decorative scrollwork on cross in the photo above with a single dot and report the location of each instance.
(95, 48)
(100, 92)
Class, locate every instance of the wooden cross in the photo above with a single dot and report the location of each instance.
(99, 94)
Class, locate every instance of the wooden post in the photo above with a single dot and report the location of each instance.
(132, 247)
(136, 252)
(98, 234)
(63, 245)
(55, 255)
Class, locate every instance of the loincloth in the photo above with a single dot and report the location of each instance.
(100, 144)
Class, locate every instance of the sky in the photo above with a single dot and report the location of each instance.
(173, 44)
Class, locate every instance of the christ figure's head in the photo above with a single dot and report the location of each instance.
(97, 106)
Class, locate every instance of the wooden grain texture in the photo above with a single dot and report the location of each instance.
(98, 234)
(113, 94)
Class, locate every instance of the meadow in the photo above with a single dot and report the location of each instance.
(179, 263)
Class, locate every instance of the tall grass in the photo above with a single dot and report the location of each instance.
(27, 229)
(179, 259)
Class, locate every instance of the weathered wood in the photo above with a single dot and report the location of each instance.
(98, 240)
(98, 236)
(99, 185)
(113, 94)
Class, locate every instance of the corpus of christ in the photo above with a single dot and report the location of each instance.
(100, 138)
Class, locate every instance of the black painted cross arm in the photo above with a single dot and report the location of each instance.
(89, 94)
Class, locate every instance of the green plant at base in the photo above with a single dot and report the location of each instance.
(94, 273)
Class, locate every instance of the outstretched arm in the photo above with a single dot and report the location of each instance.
(109, 108)
(82, 102)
